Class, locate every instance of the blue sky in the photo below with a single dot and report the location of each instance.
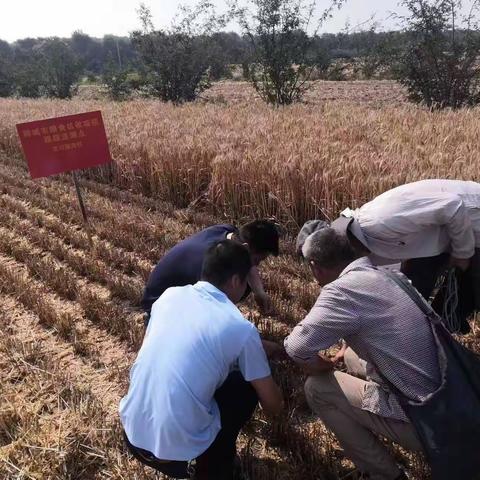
(39, 18)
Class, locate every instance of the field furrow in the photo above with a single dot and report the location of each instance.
(67, 318)
(125, 287)
(70, 311)
(58, 414)
(74, 235)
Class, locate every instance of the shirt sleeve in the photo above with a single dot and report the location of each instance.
(253, 361)
(332, 318)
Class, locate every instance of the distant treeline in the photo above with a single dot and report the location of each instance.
(96, 53)
(32, 66)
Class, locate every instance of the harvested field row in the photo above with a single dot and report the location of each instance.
(57, 415)
(123, 286)
(74, 235)
(70, 287)
(64, 317)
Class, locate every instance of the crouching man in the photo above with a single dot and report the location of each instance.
(388, 337)
(199, 374)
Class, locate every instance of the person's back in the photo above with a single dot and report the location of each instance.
(392, 334)
(192, 342)
(423, 219)
(182, 264)
(199, 374)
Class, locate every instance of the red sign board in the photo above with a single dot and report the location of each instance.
(63, 144)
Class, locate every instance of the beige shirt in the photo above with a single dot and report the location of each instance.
(422, 219)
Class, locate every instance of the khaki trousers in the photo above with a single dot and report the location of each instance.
(336, 397)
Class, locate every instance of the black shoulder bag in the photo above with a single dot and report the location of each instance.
(448, 421)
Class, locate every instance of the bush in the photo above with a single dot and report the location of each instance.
(116, 82)
(440, 65)
(179, 61)
(282, 62)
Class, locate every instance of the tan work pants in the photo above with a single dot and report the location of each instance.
(336, 397)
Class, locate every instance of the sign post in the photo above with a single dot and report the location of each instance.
(80, 198)
(65, 144)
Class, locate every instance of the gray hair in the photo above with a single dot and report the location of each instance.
(308, 228)
(328, 248)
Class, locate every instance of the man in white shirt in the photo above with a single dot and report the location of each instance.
(199, 374)
(427, 226)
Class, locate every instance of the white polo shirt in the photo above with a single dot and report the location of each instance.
(195, 337)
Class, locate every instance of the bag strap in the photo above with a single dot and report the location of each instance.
(412, 292)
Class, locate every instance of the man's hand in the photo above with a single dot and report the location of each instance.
(460, 263)
(316, 365)
(274, 350)
(339, 356)
(264, 303)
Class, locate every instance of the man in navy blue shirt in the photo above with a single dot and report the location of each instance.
(182, 265)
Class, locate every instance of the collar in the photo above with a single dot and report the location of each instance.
(211, 289)
(363, 262)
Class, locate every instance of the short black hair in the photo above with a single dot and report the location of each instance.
(225, 259)
(329, 249)
(262, 236)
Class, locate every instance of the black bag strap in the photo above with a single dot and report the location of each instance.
(424, 306)
(411, 291)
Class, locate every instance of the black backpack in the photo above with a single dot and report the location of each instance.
(448, 421)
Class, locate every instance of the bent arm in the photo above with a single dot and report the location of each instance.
(269, 396)
(255, 281)
(261, 297)
(331, 319)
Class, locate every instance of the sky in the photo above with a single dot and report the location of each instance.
(43, 18)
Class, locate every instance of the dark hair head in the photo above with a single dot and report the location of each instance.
(328, 248)
(224, 260)
(261, 235)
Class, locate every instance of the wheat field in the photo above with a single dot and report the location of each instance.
(69, 308)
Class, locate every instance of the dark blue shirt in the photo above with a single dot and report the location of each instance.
(182, 265)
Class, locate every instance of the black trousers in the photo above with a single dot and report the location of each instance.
(237, 401)
(424, 273)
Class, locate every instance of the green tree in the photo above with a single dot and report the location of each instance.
(6, 70)
(178, 60)
(116, 81)
(283, 58)
(440, 65)
(61, 68)
(27, 68)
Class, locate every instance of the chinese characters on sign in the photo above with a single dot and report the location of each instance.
(64, 144)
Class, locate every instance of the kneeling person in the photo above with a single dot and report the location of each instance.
(182, 265)
(386, 329)
(199, 374)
